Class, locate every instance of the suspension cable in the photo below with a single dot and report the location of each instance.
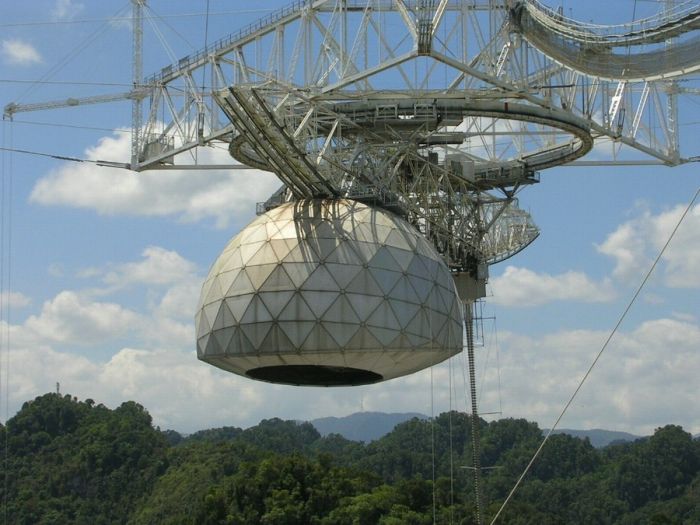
(104, 163)
(70, 56)
(6, 183)
(432, 440)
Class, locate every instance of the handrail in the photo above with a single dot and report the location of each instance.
(639, 31)
(225, 42)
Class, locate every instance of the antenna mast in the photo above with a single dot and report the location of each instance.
(137, 77)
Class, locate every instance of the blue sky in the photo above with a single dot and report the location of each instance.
(106, 264)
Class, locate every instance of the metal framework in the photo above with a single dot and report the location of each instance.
(440, 110)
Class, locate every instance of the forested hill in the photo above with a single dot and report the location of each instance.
(363, 426)
(70, 461)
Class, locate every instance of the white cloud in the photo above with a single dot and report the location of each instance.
(172, 288)
(72, 318)
(19, 53)
(685, 317)
(180, 301)
(66, 9)
(169, 287)
(158, 267)
(635, 244)
(183, 393)
(645, 379)
(14, 300)
(628, 247)
(222, 195)
(523, 287)
(177, 390)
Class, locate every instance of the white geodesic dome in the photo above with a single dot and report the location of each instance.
(328, 292)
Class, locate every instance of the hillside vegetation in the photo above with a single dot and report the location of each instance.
(77, 462)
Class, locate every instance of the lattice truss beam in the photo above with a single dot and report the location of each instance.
(438, 109)
(478, 49)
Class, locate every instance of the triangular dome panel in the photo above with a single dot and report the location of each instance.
(296, 310)
(320, 280)
(256, 333)
(238, 305)
(277, 280)
(276, 302)
(297, 331)
(256, 313)
(341, 311)
(240, 285)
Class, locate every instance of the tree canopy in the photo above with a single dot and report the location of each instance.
(71, 461)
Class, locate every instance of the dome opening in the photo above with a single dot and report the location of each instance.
(314, 375)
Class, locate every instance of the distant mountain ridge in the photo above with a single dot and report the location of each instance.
(370, 426)
(598, 437)
(363, 426)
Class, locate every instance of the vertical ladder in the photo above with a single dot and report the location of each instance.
(476, 433)
(615, 102)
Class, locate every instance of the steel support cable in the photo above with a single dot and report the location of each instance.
(103, 163)
(432, 425)
(432, 441)
(113, 19)
(71, 55)
(3, 159)
(600, 353)
(8, 315)
(206, 43)
(6, 180)
(71, 126)
(162, 20)
(163, 41)
(452, 456)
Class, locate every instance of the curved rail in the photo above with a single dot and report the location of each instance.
(590, 48)
(664, 25)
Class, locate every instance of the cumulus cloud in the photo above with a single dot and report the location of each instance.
(158, 267)
(14, 300)
(72, 318)
(635, 244)
(222, 195)
(178, 391)
(185, 394)
(523, 287)
(646, 378)
(16, 52)
(180, 300)
(172, 287)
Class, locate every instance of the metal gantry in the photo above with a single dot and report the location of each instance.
(439, 110)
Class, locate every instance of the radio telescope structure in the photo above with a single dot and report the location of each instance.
(401, 132)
